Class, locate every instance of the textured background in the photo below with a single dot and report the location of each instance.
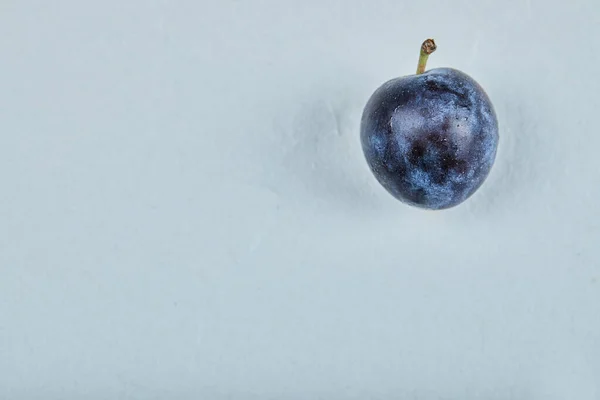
(185, 211)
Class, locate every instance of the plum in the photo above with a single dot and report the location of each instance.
(430, 139)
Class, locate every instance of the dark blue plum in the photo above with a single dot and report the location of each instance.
(430, 139)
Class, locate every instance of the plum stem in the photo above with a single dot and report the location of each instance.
(427, 48)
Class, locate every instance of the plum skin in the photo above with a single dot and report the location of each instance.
(430, 139)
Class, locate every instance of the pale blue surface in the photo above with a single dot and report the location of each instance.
(185, 210)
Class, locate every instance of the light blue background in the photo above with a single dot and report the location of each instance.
(185, 211)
